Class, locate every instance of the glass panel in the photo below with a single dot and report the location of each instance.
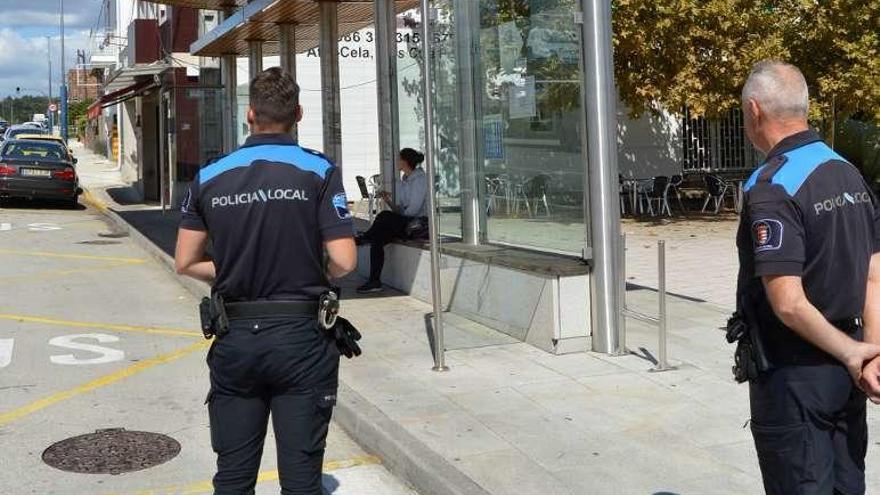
(530, 116)
(446, 109)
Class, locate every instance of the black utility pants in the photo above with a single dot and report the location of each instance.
(387, 227)
(288, 367)
(810, 430)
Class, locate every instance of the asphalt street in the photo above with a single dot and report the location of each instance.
(95, 335)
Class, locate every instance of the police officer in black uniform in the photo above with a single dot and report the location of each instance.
(807, 240)
(272, 210)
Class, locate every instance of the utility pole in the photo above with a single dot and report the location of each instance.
(63, 81)
(49, 56)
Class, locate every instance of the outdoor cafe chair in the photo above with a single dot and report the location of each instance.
(658, 192)
(717, 188)
(495, 188)
(535, 190)
(675, 186)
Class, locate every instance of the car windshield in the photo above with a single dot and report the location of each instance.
(15, 132)
(32, 149)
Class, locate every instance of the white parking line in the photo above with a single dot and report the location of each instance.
(6, 346)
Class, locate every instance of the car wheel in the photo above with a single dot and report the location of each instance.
(73, 203)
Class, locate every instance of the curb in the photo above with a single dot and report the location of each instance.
(402, 453)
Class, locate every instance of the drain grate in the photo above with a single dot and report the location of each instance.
(99, 242)
(111, 451)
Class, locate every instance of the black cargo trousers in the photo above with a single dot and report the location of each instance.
(810, 430)
(284, 365)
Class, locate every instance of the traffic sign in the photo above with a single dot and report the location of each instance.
(53, 107)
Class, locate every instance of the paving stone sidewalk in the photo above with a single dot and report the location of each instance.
(516, 420)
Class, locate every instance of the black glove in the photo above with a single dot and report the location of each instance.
(346, 336)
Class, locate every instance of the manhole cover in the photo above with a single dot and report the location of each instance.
(99, 242)
(111, 451)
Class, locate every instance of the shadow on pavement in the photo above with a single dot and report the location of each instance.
(157, 226)
(39, 204)
(125, 196)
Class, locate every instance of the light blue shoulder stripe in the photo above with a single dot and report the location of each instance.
(801, 163)
(754, 178)
(278, 153)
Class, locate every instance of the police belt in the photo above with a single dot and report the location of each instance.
(262, 309)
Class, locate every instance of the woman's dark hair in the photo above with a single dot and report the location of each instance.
(412, 157)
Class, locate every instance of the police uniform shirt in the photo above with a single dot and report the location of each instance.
(816, 219)
(268, 208)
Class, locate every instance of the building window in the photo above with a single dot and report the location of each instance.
(716, 144)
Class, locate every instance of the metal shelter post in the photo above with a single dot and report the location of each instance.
(433, 224)
(601, 112)
(386, 90)
(229, 76)
(287, 53)
(330, 101)
(255, 57)
(473, 217)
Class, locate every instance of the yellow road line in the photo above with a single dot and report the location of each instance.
(71, 256)
(99, 382)
(272, 475)
(102, 326)
(89, 199)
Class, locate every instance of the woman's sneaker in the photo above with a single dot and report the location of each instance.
(370, 287)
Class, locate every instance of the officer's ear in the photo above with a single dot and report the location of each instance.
(754, 111)
(298, 115)
(251, 116)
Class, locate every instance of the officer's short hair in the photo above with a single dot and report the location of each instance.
(780, 88)
(274, 96)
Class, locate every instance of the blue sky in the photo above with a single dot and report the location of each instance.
(24, 26)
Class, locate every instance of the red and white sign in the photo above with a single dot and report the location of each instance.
(53, 107)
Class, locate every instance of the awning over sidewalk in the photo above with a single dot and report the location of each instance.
(119, 96)
(127, 76)
(259, 20)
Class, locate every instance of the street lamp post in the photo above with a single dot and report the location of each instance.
(51, 114)
(63, 95)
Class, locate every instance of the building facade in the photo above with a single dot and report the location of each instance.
(83, 85)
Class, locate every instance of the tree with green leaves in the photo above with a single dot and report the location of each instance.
(697, 53)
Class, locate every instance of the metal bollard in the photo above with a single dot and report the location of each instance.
(662, 317)
(622, 294)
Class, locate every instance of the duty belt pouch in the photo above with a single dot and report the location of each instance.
(207, 322)
(750, 358)
(212, 313)
(218, 314)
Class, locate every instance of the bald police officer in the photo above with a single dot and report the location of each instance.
(271, 209)
(807, 242)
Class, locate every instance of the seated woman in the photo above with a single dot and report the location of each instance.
(412, 207)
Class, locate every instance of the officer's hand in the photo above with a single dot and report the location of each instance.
(870, 381)
(859, 354)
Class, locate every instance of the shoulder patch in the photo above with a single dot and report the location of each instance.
(340, 204)
(767, 235)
